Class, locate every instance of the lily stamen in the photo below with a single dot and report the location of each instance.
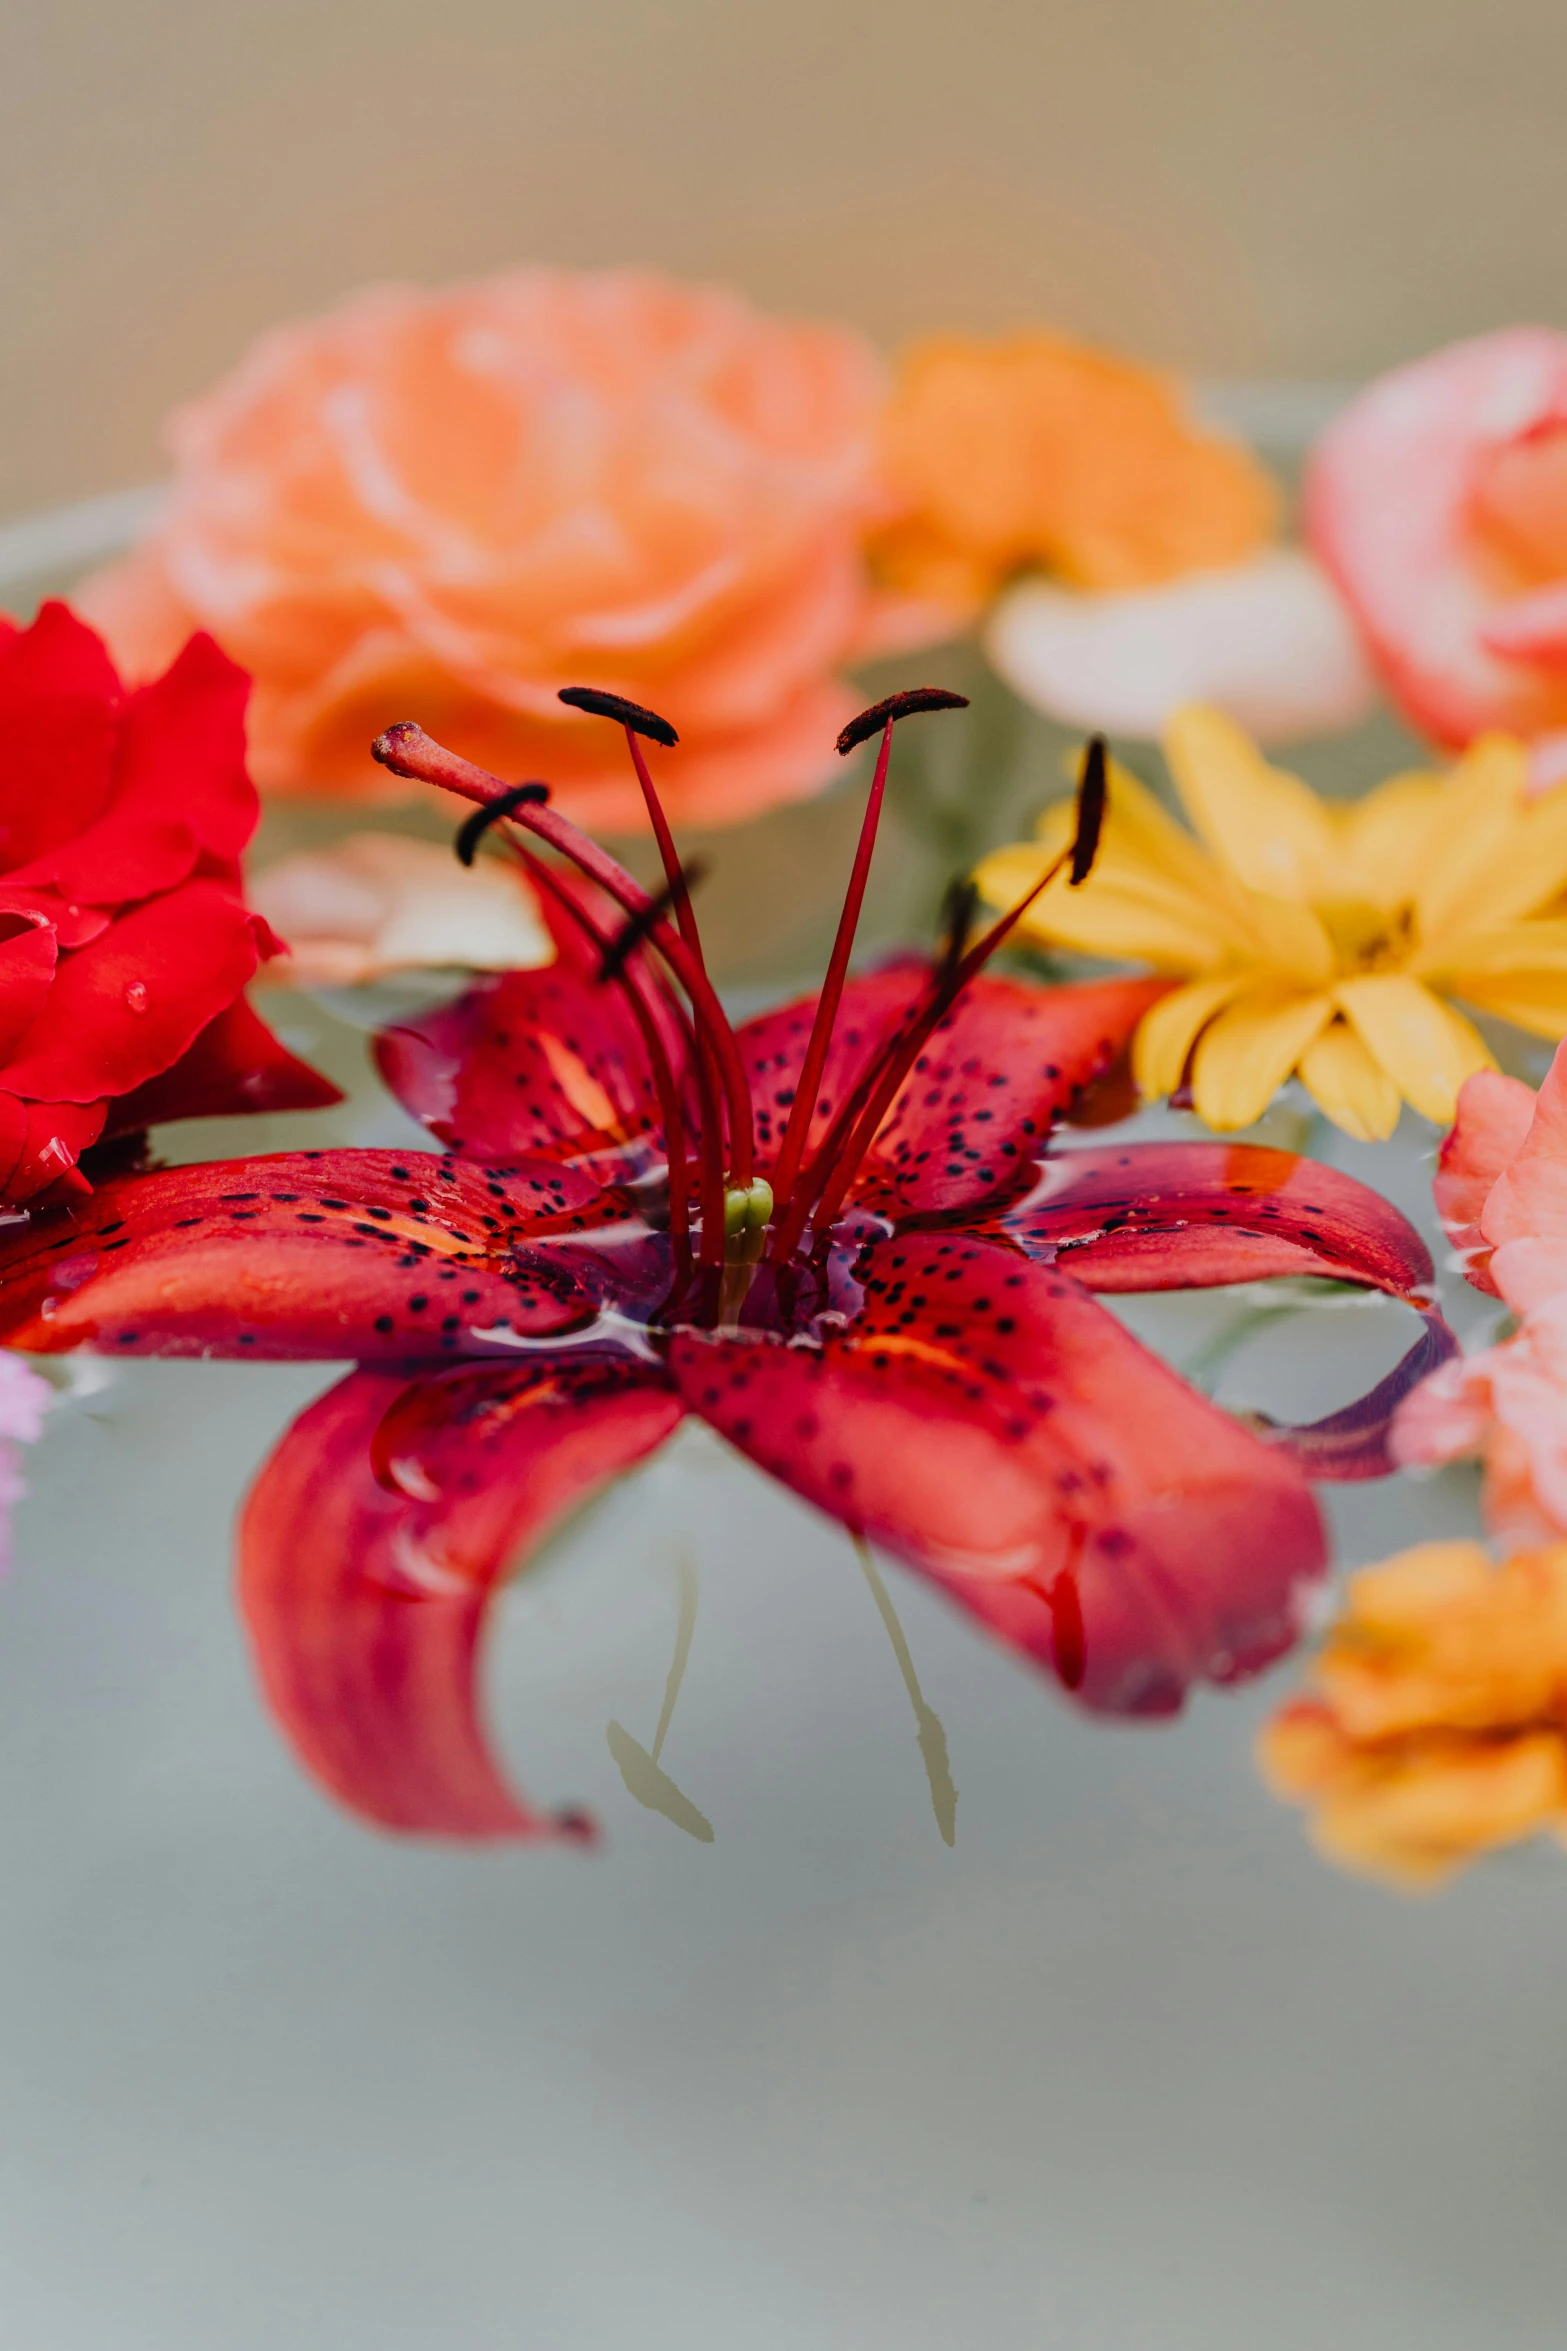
(884, 715)
(408, 751)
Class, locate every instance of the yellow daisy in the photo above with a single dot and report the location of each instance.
(1315, 937)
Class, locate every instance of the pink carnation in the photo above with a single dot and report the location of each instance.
(1438, 502)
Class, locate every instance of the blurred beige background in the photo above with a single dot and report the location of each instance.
(1253, 188)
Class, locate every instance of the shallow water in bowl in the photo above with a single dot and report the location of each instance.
(1126, 2064)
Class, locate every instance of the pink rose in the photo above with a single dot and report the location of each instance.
(1438, 502)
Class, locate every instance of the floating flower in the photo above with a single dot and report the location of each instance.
(832, 1235)
(451, 503)
(125, 941)
(1501, 1191)
(1439, 1731)
(1438, 502)
(379, 903)
(1315, 938)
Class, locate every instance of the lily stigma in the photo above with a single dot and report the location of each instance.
(837, 1234)
(1315, 938)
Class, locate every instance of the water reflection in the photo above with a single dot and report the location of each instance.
(928, 1730)
(639, 1767)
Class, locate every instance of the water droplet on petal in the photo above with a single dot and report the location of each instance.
(136, 995)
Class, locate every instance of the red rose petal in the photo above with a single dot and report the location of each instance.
(235, 1065)
(27, 965)
(127, 1006)
(59, 708)
(179, 789)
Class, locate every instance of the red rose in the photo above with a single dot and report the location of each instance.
(125, 941)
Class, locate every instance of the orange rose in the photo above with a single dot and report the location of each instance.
(1034, 452)
(444, 506)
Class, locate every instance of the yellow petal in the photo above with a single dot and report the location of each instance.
(1271, 831)
(1166, 1035)
(1526, 868)
(1386, 837)
(1539, 944)
(1115, 913)
(1288, 938)
(1150, 834)
(1532, 1000)
(1425, 1047)
(1354, 1090)
(1479, 811)
(1519, 973)
(1245, 1055)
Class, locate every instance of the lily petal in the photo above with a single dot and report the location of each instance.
(365, 1604)
(1426, 1048)
(1179, 1216)
(1004, 1065)
(773, 1046)
(984, 1421)
(330, 1255)
(541, 1061)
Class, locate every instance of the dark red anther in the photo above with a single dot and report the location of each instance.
(600, 704)
(1092, 793)
(887, 713)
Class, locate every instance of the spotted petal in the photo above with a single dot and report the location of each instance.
(984, 1420)
(365, 1603)
(1191, 1216)
(548, 1061)
(1187, 1216)
(327, 1254)
(1007, 1062)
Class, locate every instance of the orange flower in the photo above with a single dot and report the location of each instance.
(1033, 452)
(444, 506)
(1440, 1727)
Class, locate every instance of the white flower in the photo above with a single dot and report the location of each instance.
(380, 903)
(1266, 641)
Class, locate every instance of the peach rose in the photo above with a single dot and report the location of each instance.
(1438, 501)
(444, 506)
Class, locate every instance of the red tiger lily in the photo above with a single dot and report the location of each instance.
(868, 1275)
